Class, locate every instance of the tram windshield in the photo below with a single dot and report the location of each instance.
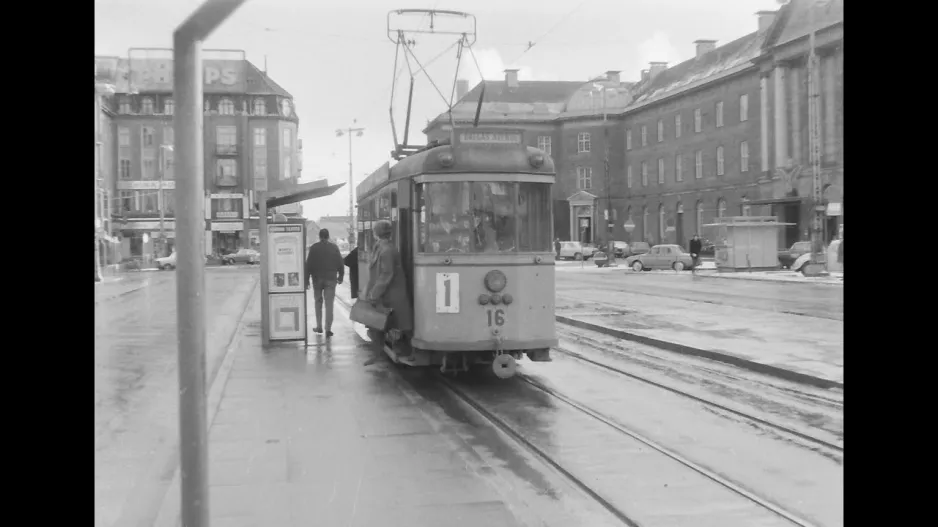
(484, 217)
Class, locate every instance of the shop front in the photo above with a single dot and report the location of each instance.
(226, 232)
(225, 237)
(145, 239)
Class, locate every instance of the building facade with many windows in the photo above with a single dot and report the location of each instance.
(250, 145)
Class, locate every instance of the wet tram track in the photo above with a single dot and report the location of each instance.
(810, 415)
(637, 478)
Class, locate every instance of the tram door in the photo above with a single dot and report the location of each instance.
(401, 198)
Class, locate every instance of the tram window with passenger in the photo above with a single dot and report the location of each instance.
(484, 217)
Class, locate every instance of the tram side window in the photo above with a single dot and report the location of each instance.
(366, 240)
(421, 209)
(533, 217)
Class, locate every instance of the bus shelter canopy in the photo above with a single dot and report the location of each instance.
(301, 192)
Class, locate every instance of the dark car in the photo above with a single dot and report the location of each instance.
(637, 248)
(787, 257)
(248, 256)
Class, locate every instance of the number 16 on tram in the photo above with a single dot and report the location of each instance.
(473, 223)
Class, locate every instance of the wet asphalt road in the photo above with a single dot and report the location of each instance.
(815, 300)
(136, 382)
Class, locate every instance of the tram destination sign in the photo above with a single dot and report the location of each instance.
(490, 138)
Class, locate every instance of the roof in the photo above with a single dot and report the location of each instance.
(793, 21)
(719, 62)
(259, 83)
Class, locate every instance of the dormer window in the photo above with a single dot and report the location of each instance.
(124, 106)
(260, 106)
(226, 107)
(168, 106)
(146, 106)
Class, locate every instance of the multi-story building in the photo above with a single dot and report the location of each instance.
(665, 156)
(106, 244)
(251, 145)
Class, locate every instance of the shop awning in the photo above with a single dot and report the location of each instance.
(775, 201)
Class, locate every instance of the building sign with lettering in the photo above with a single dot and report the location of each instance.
(145, 185)
(227, 226)
(501, 138)
(156, 74)
(168, 225)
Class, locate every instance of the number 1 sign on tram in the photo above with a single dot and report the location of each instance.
(447, 292)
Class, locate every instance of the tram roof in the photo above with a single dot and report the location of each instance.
(475, 151)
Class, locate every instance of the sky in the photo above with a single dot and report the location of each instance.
(338, 63)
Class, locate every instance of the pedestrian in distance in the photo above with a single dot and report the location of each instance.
(387, 285)
(695, 246)
(351, 261)
(557, 247)
(324, 269)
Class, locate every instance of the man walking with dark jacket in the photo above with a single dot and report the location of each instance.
(695, 247)
(325, 269)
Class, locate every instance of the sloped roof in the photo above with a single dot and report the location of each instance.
(793, 19)
(527, 92)
(258, 83)
(717, 63)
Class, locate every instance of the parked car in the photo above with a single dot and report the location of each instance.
(637, 248)
(661, 257)
(576, 250)
(787, 257)
(166, 262)
(622, 249)
(248, 256)
(833, 262)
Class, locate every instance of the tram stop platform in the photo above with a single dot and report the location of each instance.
(315, 438)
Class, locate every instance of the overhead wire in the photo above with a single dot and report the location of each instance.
(536, 41)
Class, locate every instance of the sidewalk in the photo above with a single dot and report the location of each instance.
(709, 271)
(799, 348)
(114, 286)
(314, 438)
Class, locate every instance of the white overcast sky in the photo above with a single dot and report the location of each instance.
(337, 61)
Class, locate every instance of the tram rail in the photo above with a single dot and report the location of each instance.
(620, 430)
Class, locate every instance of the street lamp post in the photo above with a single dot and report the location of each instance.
(610, 244)
(358, 133)
(817, 262)
(161, 197)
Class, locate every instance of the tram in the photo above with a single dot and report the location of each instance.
(472, 218)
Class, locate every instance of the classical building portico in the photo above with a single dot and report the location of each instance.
(582, 220)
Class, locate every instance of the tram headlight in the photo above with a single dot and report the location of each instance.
(496, 299)
(495, 281)
(446, 159)
(483, 299)
(536, 160)
(507, 299)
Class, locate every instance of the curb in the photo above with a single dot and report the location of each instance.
(793, 282)
(169, 513)
(118, 295)
(747, 364)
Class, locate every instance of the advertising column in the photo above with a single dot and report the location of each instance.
(287, 280)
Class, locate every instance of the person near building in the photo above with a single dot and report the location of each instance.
(324, 269)
(351, 261)
(557, 247)
(387, 285)
(695, 246)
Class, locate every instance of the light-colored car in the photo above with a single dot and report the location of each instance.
(576, 250)
(166, 262)
(248, 256)
(833, 263)
(661, 257)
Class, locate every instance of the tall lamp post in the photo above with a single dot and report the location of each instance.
(162, 197)
(351, 205)
(817, 265)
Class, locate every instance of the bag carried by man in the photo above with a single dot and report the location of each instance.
(370, 315)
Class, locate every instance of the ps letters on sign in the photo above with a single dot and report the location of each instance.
(225, 76)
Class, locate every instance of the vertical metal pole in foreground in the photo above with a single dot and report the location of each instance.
(265, 271)
(190, 275)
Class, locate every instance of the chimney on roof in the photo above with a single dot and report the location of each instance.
(511, 78)
(705, 46)
(462, 88)
(612, 77)
(644, 75)
(656, 68)
(765, 19)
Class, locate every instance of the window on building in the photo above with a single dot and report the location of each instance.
(260, 137)
(260, 167)
(123, 137)
(169, 202)
(744, 156)
(700, 220)
(660, 130)
(226, 139)
(719, 114)
(287, 138)
(721, 208)
(168, 164)
(646, 233)
(698, 164)
(720, 164)
(543, 143)
(661, 171)
(583, 142)
(584, 178)
(149, 169)
(744, 209)
(628, 139)
(226, 172)
(644, 174)
(124, 106)
(146, 106)
(744, 107)
(146, 136)
(628, 176)
(150, 200)
(678, 168)
(127, 200)
(226, 107)
(169, 107)
(124, 168)
(169, 135)
(677, 125)
(662, 223)
(260, 106)
(698, 121)
(644, 135)
(287, 168)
